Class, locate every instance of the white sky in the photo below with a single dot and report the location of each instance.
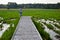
(29, 1)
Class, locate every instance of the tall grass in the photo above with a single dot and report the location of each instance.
(43, 33)
(43, 13)
(7, 15)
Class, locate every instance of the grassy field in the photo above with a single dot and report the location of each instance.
(43, 33)
(7, 15)
(40, 13)
(43, 13)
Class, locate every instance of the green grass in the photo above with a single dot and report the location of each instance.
(57, 25)
(43, 33)
(40, 13)
(57, 31)
(49, 26)
(7, 15)
(43, 13)
(52, 28)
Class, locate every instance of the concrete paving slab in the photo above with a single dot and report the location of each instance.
(26, 30)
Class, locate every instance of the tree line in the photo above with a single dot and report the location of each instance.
(41, 6)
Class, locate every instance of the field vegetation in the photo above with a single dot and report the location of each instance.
(8, 15)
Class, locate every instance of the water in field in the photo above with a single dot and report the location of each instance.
(12, 19)
(55, 28)
(51, 32)
(51, 22)
(4, 28)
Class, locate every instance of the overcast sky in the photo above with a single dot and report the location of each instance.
(29, 1)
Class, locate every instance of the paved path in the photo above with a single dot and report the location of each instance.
(26, 30)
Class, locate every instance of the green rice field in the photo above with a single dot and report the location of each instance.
(37, 13)
(43, 13)
(8, 15)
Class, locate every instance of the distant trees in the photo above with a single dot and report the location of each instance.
(3, 6)
(11, 5)
(58, 5)
(41, 6)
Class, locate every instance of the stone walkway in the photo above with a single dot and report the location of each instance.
(26, 30)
